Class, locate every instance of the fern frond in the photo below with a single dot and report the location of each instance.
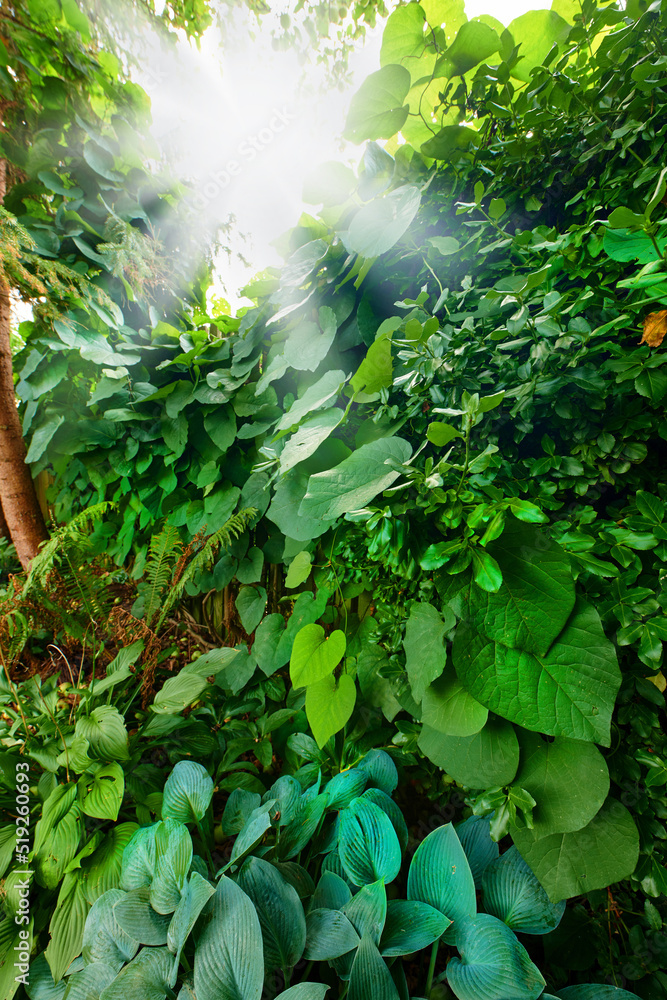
(70, 534)
(163, 550)
(222, 538)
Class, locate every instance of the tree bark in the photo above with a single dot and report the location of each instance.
(18, 498)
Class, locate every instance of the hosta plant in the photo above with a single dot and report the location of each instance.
(317, 893)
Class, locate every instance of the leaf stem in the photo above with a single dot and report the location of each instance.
(431, 968)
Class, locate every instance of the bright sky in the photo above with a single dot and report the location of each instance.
(238, 119)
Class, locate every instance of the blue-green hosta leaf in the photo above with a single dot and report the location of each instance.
(315, 655)
(229, 960)
(425, 656)
(355, 481)
(569, 692)
(411, 926)
(103, 938)
(569, 780)
(88, 983)
(135, 915)
(345, 786)
(493, 965)
(328, 934)
(367, 843)
(387, 805)
(475, 836)
(440, 876)
(240, 804)
(40, 984)
(380, 769)
(286, 793)
(378, 109)
(486, 760)
(187, 792)
(307, 817)
(595, 991)
(173, 856)
(536, 596)
(252, 833)
(304, 991)
(332, 893)
(280, 913)
(138, 864)
(512, 893)
(370, 976)
(570, 864)
(367, 910)
(197, 893)
(145, 978)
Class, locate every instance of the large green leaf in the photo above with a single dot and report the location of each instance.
(512, 893)
(403, 38)
(367, 843)
(474, 43)
(145, 978)
(329, 704)
(355, 481)
(105, 731)
(250, 604)
(425, 655)
(440, 876)
(410, 926)
(380, 224)
(493, 965)
(308, 343)
(568, 779)
(370, 976)
(309, 437)
(378, 109)
(329, 934)
(67, 926)
(569, 692)
(535, 32)
(570, 864)
(229, 960)
(104, 792)
(280, 913)
(448, 708)
(536, 596)
(486, 760)
(187, 792)
(315, 655)
(314, 397)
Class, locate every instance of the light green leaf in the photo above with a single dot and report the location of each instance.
(314, 655)
(448, 708)
(105, 731)
(104, 792)
(355, 481)
(309, 437)
(67, 925)
(486, 760)
(441, 434)
(41, 438)
(375, 371)
(446, 245)
(403, 38)
(425, 656)
(308, 343)
(380, 224)
(315, 396)
(569, 692)
(570, 864)
(377, 110)
(329, 704)
(474, 43)
(299, 571)
(535, 32)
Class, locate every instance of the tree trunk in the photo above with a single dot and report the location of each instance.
(18, 498)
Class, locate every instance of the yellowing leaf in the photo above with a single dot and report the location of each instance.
(655, 328)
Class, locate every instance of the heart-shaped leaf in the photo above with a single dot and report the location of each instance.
(314, 656)
(329, 704)
(187, 792)
(493, 965)
(512, 893)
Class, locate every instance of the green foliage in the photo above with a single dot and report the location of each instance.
(174, 922)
